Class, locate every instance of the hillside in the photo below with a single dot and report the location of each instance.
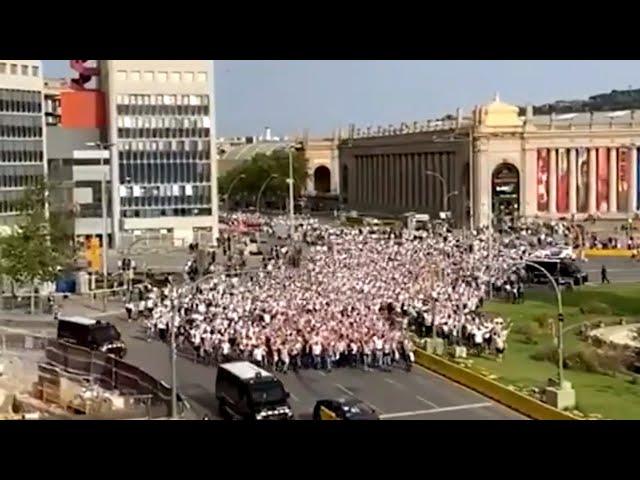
(612, 101)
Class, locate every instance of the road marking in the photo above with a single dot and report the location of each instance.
(424, 400)
(431, 373)
(393, 382)
(345, 389)
(322, 373)
(294, 397)
(434, 410)
(350, 393)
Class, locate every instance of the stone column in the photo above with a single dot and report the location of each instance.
(573, 181)
(613, 180)
(593, 181)
(553, 180)
(633, 181)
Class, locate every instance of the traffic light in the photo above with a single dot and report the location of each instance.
(561, 317)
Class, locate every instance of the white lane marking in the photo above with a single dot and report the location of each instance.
(294, 397)
(612, 270)
(424, 400)
(349, 392)
(345, 389)
(393, 382)
(322, 373)
(434, 410)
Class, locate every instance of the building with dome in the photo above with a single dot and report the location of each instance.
(496, 163)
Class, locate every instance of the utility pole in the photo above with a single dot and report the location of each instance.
(174, 375)
(291, 211)
(105, 241)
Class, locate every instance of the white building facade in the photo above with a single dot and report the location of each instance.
(161, 128)
(22, 141)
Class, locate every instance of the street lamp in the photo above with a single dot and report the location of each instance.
(272, 176)
(227, 196)
(560, 320)
(103, 147)
(468, 137)
(445, 188)
(291, 148)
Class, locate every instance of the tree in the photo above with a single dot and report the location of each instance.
(41, 242)
(257, 170)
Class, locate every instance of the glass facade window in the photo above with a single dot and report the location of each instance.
(164, 154)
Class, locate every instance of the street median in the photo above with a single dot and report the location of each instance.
(517, 401)
(617, 252)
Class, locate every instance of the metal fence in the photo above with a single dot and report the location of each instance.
(159, 241)
(151, 396)
(111, 373)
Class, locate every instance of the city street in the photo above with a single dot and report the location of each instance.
(419, 395)
(618, 269)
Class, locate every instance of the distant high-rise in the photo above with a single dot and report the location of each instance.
(161, 125)
(22, 144)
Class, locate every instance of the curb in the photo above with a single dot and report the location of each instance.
(502, 394)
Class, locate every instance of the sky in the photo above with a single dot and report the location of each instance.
(322, 95)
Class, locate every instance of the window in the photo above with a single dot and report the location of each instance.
(188, 77)
(148, 76)
(35, 71)
(202, 76)
(162, 77)
(121, 75)
(176, 76)
(135, 75)
(3, 68)
(14, 69)
(24, 70)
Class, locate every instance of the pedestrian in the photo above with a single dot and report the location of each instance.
(603, 275)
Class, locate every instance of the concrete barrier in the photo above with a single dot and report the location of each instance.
(597, 252)
(517, 401)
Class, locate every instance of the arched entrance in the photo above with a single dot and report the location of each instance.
(505, 192)
(322, 179)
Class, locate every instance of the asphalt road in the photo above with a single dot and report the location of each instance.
(621, 270)
(419, 395)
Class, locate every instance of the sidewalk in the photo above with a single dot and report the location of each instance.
(73, 306)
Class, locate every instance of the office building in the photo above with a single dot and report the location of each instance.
(161, 128)
(497, 162)
(22, 143)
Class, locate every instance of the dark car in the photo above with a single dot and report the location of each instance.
(343, 409)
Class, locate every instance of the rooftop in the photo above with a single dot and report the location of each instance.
(241, 153)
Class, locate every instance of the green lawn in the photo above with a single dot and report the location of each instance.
(612, 397)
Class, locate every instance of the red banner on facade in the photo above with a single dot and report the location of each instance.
(602, 194)
(563, 181)
(583, 181)
(543, 180)
(624, 172)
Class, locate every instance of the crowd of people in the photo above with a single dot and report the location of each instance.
(351, 299)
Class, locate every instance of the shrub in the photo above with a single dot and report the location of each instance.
(596, 308)
(528, 333)
(542, 321)
(547, 353)
(607, 361)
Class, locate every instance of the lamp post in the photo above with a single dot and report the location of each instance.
(468, 137)
(445, 188)
(560, 320)
(105, 244)
(271, 177)
(290, 180)
(228, 195)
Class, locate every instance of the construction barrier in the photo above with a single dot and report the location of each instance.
(517, 401)
(618, 252)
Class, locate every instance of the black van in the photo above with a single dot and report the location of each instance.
(91, 334)
(564, 271)
(247, 392)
